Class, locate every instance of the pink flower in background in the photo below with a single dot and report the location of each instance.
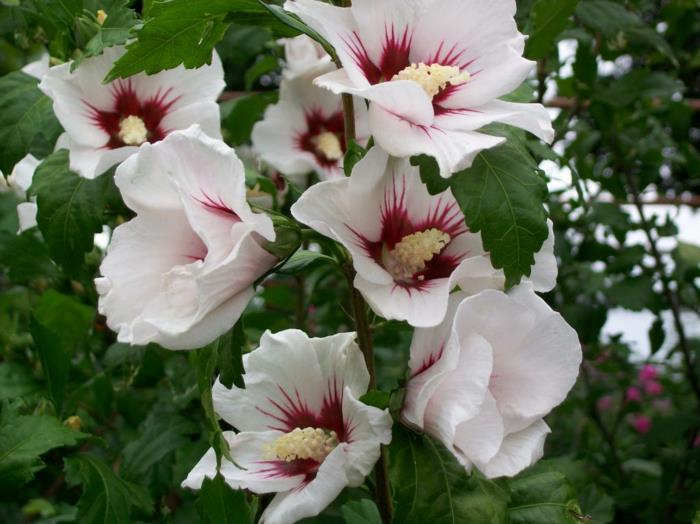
(605, 403)
(303, 433)
(432, 70)
(633, 394)
(648, 372)
(641, 424)
(653, 388)
(696, 444)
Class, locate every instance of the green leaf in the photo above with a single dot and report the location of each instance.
(549, 19)
(160, 434)
(243, 114)
(106, 499)
(430, 174)
(634, 293)
(304, 260)
(115, 30)
(230, 353)
(177, 32)
(657, 335)
(542, 496)
(431, 486)
(70, 209)
(58, 325)
(378, 399)
(26, 119)
(295, 23)
(287, 236)
(26, 257)
(360, 512)
(207, 359)
(502, 197)
(23, 440)
(219, 504)
(354, 154)
(618, 24)
(16, 381)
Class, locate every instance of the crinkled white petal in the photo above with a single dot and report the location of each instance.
(518, 451)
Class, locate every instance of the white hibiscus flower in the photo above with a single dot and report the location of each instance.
(182, 271)
(483, 379)
(304, 132)
(409, 248)
(105, 123)
(303, 433)
(433, 71)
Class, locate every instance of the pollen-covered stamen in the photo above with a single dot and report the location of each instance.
(133, 131)
(101, 16)
(413, 252)
(433, 78)
(328, 144)
(303, 444)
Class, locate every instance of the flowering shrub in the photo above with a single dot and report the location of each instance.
(313, 261)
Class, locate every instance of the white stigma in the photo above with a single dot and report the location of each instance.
(433, 78)
(132, 131)
(301, 444)
(413, 252)
(329, 145)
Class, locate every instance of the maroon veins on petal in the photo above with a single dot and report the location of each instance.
(126, 103)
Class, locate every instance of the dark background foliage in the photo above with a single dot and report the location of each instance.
(92, 430)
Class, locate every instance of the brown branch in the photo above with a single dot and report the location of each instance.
(672, 298)
(562, 102)
(558, 102)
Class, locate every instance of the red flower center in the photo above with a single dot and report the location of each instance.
(132, 121)
(324, 137)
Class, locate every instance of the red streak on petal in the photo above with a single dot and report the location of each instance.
(395, 51)
(293, 412)
(394, 57)
(217, 207)
(446, 216)
(429, 361)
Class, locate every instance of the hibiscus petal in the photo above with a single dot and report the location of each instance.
(478, 439)
(453, 150)
(140, 252)
(314, 497)
(346, 208)
(285, 386)
(518, 451)
(531, 117)
(255, 473)
(461, 392)
(337, 26)
(545, 363)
